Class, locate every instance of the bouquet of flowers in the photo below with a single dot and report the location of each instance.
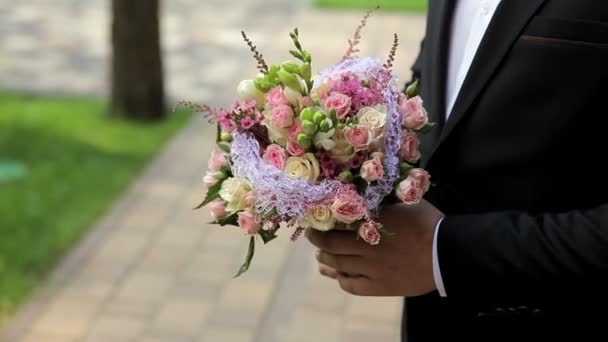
(298, 151)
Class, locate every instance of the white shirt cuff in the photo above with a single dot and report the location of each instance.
(436, 270)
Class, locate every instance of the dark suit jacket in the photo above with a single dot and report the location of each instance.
(519, 171)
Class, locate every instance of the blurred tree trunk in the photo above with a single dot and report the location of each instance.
(137, 68)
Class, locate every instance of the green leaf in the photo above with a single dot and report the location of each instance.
(427, 128)
(248, 258)
(267, 235)
(219, 134)
(230, 220)
(224, 146)
(385, 233)
(212, 193)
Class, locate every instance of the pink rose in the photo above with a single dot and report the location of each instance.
(372, 170)
(410, 147)
(249, 199)
(409, 192)
(369, 231)
(340, 103)
(305, 102)
(295, 149)
(292, 133)
(349, 207)
(217, 160)
(276, 156)
(217, 209)
(282, 116)
(359, 137)
(413, 113)
(247, 223)
(275, 97)
(422, 179)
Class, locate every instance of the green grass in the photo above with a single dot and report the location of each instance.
(78, 162)
(388, 5)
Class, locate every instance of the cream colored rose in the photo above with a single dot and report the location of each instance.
(305, 167)
(373, 118)
(343, 151)
(234, 192)
(247, 90)
(319, 218)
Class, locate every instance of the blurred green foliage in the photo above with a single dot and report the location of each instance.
(389, 5)
(78, 162)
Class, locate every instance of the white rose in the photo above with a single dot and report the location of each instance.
(319, 218)
(292, 96)
(323, 140)
(343, 151)
(276, 135)
(373, 118)
(247, 91)
(305, 167)
(234, 192)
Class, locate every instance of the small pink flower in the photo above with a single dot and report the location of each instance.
(408, 191)
(247, 122)
(414, 115)
(210, 179)
(340, 103)
(282, 116)
(217, 209)
(369, 231)
(276, 156)
(217, 160)
(247, 223)
(359, 137)
(372, 170)
(410, 147)
(295, 149)
(305, 102)
(292, 133)
(349, 207)
(275, 97)
(422, 179)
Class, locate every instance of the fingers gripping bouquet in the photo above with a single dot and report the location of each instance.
(297, 151)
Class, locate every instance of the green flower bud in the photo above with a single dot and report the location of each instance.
(307, 114)
(291, 67)
(325, 125)
(340, 126)
(305, 71)
(346, 177)
(289, 80)
(319, 117)
(226, 136)
(309, 127)
(304, 140)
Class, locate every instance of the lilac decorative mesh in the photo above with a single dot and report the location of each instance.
(272, 187)
(371, 68)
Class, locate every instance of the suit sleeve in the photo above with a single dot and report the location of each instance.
(505, 256)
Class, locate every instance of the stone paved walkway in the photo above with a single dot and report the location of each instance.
(152, 270)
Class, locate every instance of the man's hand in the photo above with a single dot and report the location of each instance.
(401, 265)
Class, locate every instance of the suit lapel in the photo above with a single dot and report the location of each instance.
(504, 30)
(437, 54)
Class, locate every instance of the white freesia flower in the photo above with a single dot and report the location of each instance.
(324, 140)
